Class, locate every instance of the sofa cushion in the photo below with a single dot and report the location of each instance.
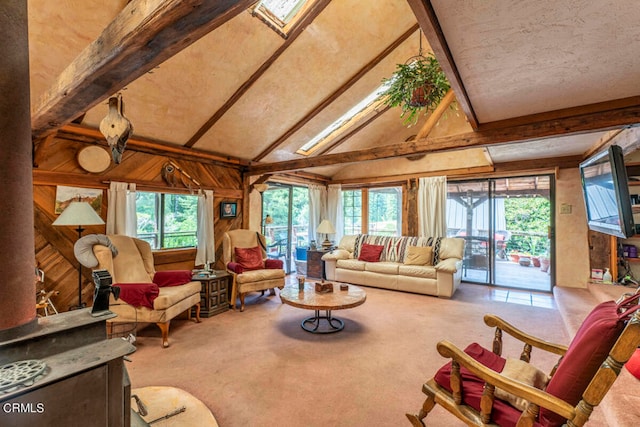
(249, 258)
(259, 275)
(419, 255)
(423, 271)
(172, 277)
(351, 264)
(171, 295)
(370, 253)
(452, 247)
(382, 267)
(348, 242)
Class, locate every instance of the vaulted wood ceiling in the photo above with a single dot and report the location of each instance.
(535, 80)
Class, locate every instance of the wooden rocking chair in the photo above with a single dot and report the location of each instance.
(478, 385)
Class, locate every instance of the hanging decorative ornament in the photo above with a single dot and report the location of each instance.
(116, 128)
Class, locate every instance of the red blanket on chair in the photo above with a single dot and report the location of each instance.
(138, 294)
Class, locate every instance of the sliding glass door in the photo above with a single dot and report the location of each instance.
(506, 223)
(285, 222)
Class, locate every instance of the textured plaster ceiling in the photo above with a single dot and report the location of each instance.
(527, 58)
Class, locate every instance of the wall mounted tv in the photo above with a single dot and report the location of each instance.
(606, 193)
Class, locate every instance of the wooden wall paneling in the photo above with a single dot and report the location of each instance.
(54, 245)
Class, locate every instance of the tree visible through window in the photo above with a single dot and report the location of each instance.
(167, 221)
(384, 211)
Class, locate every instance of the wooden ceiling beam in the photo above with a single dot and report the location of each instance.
(142, 36)
(332, 97)
(153, 147)
(426, 16)
(316, 9)
(581, 124)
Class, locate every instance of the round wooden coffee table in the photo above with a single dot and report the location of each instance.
(311, 300)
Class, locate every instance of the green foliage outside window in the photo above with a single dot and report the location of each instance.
(528, 219)
(167, 221)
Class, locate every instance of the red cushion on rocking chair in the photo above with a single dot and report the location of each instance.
(503, 413)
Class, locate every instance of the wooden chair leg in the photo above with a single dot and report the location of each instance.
(242, 301)
(427, 406)
(272, 291)
(164, 328)
(197, 313)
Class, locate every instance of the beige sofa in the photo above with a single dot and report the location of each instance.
(391, 272)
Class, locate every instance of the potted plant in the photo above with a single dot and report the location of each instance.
(419, 84)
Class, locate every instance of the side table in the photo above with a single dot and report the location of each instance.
(213, 294)
(315, 265)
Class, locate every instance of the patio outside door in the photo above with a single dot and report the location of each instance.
(507, 225)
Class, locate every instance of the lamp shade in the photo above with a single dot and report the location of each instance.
(78, 213)
(326, 227)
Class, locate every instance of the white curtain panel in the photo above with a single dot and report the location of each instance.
(335, 213)
(206, 250)
(432, 206)
(317, 209)
(121, 211)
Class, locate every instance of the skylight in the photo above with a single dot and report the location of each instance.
(368, 104)
(281, 15)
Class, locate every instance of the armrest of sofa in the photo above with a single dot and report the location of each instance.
(449, 265)
(336, 254)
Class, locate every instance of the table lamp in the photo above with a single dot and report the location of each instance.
(326, 228)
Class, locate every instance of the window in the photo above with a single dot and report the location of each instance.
(384, 211)
(167, 221)
(344, 122)
(373, 211)
(352, 206)
(282, 15)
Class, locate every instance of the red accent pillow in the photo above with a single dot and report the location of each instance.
(249, 258)
(370, 253)
(273, 264)
(588, 349)
(472, 387)
(172, 277)
(138, 294)
(633, 365)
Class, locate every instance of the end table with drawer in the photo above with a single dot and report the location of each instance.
(214, 293)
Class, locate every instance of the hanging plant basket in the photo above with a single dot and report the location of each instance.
(417, 85)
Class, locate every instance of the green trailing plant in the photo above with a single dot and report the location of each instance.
(417, 85)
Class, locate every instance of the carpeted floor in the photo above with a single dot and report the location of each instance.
(259, 368)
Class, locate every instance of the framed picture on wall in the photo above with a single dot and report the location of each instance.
(228, 209)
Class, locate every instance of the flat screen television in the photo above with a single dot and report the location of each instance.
(606, 193)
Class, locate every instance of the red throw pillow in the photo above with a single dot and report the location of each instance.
(249, 258)
(370, 253)
(172, 277)
(588, 349)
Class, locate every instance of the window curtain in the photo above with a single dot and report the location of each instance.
(432, 203)
(121, 211)
(335, 214)
(317, 209)
(206, 250)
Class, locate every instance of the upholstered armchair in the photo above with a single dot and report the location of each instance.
(481, 387)
(146, 295)
(245, 258)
